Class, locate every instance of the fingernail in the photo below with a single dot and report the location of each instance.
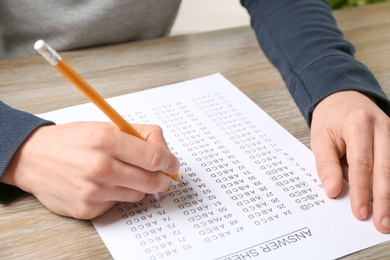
(363, 212)
(386, 222)
(328, 186)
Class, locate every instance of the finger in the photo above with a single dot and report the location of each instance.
(117, 194)
(92, 201)
(360, 161)
(149, 156)
(89, 211)
(328, 165)
(76, 206)
(112, 196)
(131, 177)
(381, 181)
(153, 134)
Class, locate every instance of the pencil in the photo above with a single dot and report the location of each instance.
(65, 69)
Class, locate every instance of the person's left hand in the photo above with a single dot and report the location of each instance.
(350, 124)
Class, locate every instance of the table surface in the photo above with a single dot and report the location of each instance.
(29, 230)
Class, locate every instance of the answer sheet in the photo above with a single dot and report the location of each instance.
(250, 188)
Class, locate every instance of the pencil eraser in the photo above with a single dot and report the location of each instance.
(47, 52)
(40, 46)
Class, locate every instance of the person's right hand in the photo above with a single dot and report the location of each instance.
(83, 169)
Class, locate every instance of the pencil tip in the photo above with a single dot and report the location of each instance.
(179, 179)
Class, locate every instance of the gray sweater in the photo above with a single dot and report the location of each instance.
(75, 24)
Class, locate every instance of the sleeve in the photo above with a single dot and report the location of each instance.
(302, 40)
(15, 128)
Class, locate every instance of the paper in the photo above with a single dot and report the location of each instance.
(251, 190)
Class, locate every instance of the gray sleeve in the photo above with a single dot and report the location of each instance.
(302, 40)
(15, 127)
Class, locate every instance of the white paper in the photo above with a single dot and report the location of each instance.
(251, 190)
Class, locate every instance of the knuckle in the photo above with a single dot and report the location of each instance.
(83, 208)
(384, 126)
(157, 160)
(363, 115)
(82, 211)
(322, 167)
(363, 163)
(137, 196)
(88, 193)
(81, 214)
(156, 129)
(154, 185)
(384, 170)
(357, 120)
(97, 168)
(158, 183)
(101, 137)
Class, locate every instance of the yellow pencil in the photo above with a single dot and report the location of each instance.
(62, 66)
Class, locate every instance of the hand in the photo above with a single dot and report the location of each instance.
(350, 123)
(83, 169)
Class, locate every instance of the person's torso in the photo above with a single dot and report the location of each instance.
(75, 24)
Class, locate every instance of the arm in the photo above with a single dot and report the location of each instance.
(302, 40)
(80, 169)
(15, 127)
(346, 108)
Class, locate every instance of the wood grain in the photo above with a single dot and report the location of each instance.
(30, 231)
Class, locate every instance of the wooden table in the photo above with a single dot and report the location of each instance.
(29, 230)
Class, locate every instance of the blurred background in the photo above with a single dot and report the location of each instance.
(207, 15)
(336, 4)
